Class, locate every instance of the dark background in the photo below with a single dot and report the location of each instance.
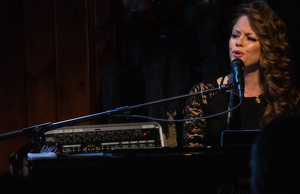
(62, 59)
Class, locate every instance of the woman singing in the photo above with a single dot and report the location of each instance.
(259, 39)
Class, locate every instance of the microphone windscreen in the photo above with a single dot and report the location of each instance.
(237, 68)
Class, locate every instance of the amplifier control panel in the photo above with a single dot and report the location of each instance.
(98, 138)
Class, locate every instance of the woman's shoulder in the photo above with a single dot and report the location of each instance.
(224, 80)
(211, 83)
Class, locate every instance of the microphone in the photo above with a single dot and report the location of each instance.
(237, 68)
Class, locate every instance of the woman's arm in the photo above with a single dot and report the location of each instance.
(194, 131)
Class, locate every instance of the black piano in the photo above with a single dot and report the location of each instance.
(143, 170)
(213, 169)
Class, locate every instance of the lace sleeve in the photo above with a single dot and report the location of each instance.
(194, 131)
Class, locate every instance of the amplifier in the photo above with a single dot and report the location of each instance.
(98, 138)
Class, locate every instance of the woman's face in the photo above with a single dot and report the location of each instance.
(244, 43)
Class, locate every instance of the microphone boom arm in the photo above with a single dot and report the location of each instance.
(37, 130)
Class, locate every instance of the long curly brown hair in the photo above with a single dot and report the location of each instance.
(277, 80)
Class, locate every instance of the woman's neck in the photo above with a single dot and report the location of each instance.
(252, 84)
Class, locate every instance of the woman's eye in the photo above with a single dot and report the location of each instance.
(252, 39)
(233, 35)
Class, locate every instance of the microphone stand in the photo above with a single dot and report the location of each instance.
(36, 133)
(38, 130)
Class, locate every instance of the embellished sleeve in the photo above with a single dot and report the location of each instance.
(194, 131)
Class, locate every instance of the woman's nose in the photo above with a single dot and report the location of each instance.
(239, 41)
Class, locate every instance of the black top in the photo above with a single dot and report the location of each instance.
(208, 131)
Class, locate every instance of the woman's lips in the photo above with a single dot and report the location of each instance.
(237, 53)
